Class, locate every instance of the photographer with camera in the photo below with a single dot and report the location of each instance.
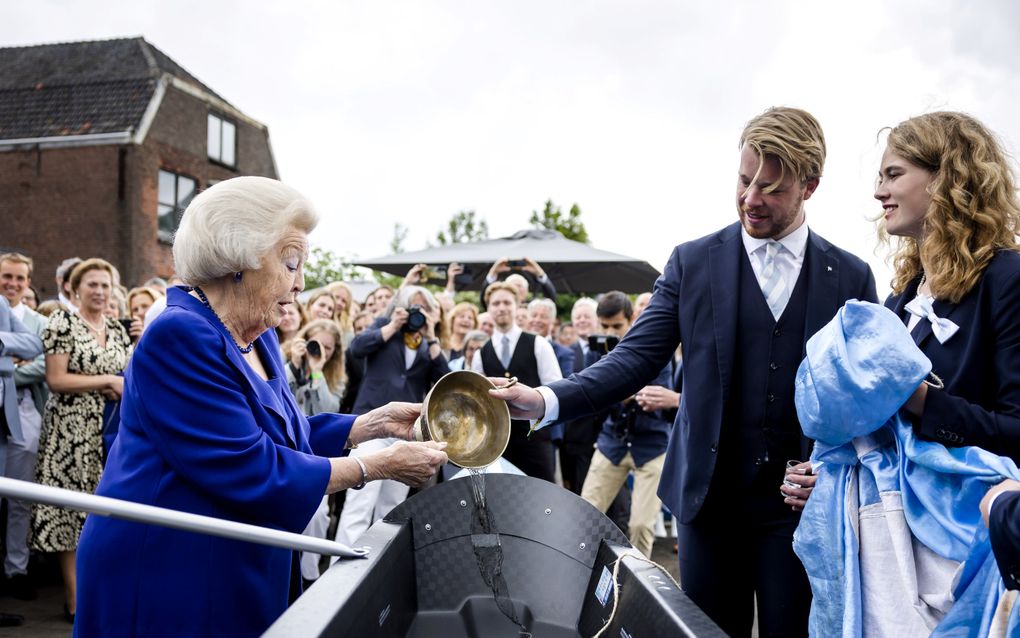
(516, 267)
(403, 359)
(632, 439)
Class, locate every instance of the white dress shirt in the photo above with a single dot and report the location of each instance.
(545, 358)
(788, 261)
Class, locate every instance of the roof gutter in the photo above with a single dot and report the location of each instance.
(65, 141)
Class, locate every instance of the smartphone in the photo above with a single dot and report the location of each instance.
(127, 324)
(434, 273)
(517, 263)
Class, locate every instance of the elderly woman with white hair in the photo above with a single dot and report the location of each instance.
(209, 426)
(403, 359)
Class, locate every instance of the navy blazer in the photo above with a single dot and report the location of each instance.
(695, 302)
(1004, 533)
(201, 432)
(387, 378)
(980, 364)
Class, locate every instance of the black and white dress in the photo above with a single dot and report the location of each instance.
(71, 444)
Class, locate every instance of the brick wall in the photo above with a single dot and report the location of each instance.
(101, 200)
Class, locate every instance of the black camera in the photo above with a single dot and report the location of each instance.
(602, 344)
(415, 319)
(314, 349)
(517, 264)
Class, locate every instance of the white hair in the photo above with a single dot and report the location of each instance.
(230, 226)
(548, 304)
(404, 296)
(585, 301)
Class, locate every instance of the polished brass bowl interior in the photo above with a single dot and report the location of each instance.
(460, 411)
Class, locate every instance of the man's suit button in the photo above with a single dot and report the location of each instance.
(714, 448)
(776, 332)
(940, 433)
(772, 398)
(757, 461)
(773, 366)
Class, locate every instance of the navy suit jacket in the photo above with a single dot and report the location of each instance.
(980, 364)
(1004, 533)
(695, 301)
(386, 376)
(201, 432)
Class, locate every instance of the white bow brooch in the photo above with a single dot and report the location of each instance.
(942, 328)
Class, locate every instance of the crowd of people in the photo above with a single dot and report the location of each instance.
(711, 426)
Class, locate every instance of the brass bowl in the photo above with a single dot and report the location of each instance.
(460, 411)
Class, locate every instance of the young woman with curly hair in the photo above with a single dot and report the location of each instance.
(949, 197)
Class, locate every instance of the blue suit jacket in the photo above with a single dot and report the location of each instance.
(387, 378)
(15, 341)
(695, 302)
(980, 364)
(202, 433)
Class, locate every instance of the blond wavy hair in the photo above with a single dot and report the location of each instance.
(973, 212)
(792, 136)
(333, 369)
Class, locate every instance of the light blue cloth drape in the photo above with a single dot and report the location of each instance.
(859, 370)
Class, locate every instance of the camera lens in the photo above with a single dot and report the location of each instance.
(415, 319)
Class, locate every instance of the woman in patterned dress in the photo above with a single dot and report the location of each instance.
(84, 354)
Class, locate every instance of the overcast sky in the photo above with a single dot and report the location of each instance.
(385, 112)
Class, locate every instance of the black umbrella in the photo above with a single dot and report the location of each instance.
(572, 266)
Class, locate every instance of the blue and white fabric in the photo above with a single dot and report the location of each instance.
(892, 537)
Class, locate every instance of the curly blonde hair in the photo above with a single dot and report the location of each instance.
(792, 136)
(973, 212)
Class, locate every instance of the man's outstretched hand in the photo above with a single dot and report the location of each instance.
(524, 402)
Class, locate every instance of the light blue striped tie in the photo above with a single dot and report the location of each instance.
(773, 285)
(504, 356)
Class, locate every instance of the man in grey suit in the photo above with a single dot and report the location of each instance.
(24, 401)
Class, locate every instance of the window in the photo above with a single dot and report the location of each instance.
(222, 141)
(175, 193)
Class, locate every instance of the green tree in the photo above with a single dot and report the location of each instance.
(463, 227)
(399, 237)
(324, 266)
(569, 225)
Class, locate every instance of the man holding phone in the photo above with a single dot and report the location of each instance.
(525, 265)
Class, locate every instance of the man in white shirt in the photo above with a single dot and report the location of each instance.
(511, 352)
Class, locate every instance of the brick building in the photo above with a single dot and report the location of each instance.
(102, 146)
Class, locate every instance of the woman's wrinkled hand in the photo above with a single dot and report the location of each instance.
(410, 463)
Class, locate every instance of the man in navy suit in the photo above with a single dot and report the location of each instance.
(743, 301)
